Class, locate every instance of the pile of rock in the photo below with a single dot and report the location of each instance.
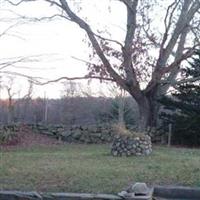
(131, 145)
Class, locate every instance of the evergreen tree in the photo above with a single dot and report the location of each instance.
(183, 107)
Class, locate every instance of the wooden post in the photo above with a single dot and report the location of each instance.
(169, 135)
(45, 108)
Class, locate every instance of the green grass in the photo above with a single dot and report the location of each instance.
(90, 168)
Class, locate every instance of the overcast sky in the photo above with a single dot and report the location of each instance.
(56, 42)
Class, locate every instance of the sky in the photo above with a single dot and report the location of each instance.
(54, 44)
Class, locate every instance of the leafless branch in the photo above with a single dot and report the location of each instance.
(150, 38)
(184, 56)
(94, 42)
(127, 49)
(74, 78)
(34, 79)
(82, 60)
(110, 40)
(18, 2)
(169, 15)
(12, 61)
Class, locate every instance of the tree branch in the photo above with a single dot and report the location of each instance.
(173, 72)
(169, 22)
(127, 49)
(74, 78)
(95, 43)
(34, 79)
(177, 62)
(185, 17)
(18, 3)
(188, 10)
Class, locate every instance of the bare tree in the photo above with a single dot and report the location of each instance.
(25, 101)
(11, 93)
(13, 104)
(173, 44)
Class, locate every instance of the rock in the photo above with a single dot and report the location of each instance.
(77, 134)
(66, 133)
(139, 189)
(114, 153)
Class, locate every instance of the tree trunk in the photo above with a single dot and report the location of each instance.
(144, 114)
(148, 111)
(10, 111)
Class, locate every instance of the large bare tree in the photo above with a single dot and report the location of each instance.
(149, 59)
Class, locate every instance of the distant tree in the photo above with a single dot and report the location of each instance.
(8, 86)
(183, 107)
(121, 111)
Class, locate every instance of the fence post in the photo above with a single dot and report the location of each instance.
(169, 135)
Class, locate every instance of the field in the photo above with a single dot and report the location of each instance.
(90, 168)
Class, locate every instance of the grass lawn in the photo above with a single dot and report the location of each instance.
(90, 168)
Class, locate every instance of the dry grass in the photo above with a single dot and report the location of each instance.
(123, 131)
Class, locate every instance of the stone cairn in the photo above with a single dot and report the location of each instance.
(131, 144)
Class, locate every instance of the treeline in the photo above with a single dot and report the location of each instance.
(69, 110)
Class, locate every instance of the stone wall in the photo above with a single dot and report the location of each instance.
(131, 145)
(91, 134)
(100, 134)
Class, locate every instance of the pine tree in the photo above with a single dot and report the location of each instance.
(183, 108)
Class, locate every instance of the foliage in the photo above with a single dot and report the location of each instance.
(184, 105)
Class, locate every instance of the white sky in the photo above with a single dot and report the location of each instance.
(57, 41)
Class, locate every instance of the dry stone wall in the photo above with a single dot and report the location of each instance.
(91, 134)
(122, 145)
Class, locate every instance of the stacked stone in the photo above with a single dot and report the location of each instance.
(88, 134)
(131, 145)
(50, 130)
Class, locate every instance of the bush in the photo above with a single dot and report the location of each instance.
(8, 137)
